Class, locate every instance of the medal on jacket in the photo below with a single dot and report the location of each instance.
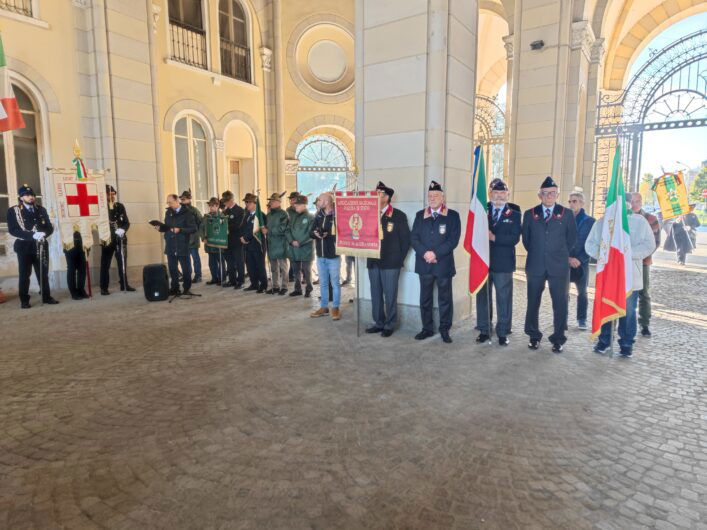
(442, 229)
(389, 228)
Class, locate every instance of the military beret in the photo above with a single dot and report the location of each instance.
(385, 189)
(498, 185)
(548, 183)
(25, 190)
(435, 186)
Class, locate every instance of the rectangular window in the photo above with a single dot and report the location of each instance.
(21, 7)
(187, 35)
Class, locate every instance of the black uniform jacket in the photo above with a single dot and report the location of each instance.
(23, 229)
(252, 243)
(439, 235)
(548, 242)
(507, 231)
(178, 244)
(118, 218)
(235, 220)
(396, 240)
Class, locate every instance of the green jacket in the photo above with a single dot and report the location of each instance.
(291, 212)
(278, 224)
(300, 228)
(214, 229)
(194, 239)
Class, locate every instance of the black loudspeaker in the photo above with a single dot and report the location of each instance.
(155, 282)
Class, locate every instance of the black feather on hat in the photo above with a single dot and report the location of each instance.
(110, 189)
(293, 195)
(548, 183)
(435, 186)
(385, 189)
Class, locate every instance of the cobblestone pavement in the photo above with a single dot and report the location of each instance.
(236, 410)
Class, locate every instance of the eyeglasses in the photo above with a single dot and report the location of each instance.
(573, 200)
(548, 193)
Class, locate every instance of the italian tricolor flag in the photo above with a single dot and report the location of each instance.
(614, 269)
(476, 239)
(258, 222)
(10, 117)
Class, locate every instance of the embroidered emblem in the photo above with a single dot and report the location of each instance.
(442, 229)
(389, 228)
(304, 221)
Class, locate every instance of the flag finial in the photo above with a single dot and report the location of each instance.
(77, 149)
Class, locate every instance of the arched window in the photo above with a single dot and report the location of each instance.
(323, 163)
(19, 155)
(188, 32)
(192, 159)
(235, 52)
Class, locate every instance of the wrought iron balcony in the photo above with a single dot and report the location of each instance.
(235, 61)
(188, 45)
(21, 7)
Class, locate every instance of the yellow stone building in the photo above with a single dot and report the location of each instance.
(255, 95)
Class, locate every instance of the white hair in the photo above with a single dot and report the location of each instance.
(578, 194)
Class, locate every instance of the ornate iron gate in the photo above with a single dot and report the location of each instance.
(489, 132)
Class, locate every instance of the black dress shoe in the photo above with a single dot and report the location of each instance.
(296, 293)
(187, 292)
(84, 294)
(282, 292)
(645, 331)
(269, 291)
(308, 293)
(424, 334)
(25, 305)
(261, 291)
(197, 279)
(238, 285)
(445, 337)
(252, 288)
(212, 282)
(226, 284)
(175, 292)
(503, 341)
(534, 344)
(76, 297)
(386, 333)
(374, 329)
(129, 289)
(105, 292)
(482, 338)
(50, 301)
(557, 348)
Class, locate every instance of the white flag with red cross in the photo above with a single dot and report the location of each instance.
(82, 205)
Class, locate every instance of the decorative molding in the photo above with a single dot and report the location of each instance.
(83, 4)
(156, 11)
(508, 45)
(291, 166)
(266, 57)
(598, 50)
(582, 37)
(220, 145)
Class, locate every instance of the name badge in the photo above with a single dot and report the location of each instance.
(442, 229)
(304, 221)
(390, 227)
(230, 217)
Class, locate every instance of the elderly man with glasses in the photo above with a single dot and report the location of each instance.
(549, 233)
(579, 259)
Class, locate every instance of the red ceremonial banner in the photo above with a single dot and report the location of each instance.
(358, 227)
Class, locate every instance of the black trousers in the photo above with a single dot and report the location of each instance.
(302, 272)
(256, 269)
(558, 293)
(25, 263)
(107, 253)
(235, 265)
(174, 262)
(384, 296)
(76, 271)
(502, 283)
(444, 301)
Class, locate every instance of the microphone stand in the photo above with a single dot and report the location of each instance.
(123, 261)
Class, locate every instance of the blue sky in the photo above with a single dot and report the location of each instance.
(666, 148)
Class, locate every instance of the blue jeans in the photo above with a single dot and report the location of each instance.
(329, 271)
(582, 299)
(627, 326)
(196, 257)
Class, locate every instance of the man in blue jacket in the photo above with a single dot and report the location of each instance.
(579, 259)
(177, 228)
(549, 233)
(435, 235)
(504, 234)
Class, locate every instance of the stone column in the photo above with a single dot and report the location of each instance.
(547, 133)
(414, 116)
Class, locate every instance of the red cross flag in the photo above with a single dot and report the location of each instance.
(82, 205)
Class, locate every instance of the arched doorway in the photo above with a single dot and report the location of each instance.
(324, 163)
(489, 133)
(668, 93)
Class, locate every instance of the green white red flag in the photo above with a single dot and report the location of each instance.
(10, 116)
(476, 239)
(614, 279)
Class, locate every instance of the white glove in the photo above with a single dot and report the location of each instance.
(39, 236)
(119, 232)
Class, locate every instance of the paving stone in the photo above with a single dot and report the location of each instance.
(237, 410)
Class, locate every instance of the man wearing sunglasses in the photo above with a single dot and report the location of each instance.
(549, 233)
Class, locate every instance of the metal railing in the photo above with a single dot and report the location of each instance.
(235, 60)
(21, 7)
(188, 45)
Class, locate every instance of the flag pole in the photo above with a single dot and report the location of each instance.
(88, 273)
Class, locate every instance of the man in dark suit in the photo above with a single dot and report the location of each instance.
(234, 253)
(253, 238)
(178, 226)
(384, 272)
(30, 224)
(435, 235)
(549, 233)
(504, 233)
